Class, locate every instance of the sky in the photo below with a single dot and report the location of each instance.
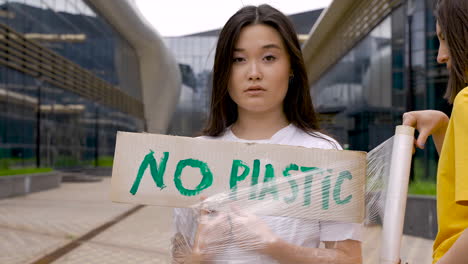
(181, 17)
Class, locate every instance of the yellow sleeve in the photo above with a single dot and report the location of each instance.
(460, 122)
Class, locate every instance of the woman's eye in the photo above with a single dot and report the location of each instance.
(269, 58)
(238, 59)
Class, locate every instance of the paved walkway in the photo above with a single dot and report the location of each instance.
(77, 223)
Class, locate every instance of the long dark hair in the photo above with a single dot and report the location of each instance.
(452, 16)
(297, 104)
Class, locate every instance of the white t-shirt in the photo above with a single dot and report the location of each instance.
(301, 232)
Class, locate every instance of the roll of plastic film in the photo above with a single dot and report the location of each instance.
(395, 201)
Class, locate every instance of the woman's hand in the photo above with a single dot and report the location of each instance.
(250, 232)
(212, 236)
(427, 122)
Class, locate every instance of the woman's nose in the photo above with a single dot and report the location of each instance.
(254, 72)
(443, 55)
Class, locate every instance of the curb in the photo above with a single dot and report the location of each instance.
(17, 185)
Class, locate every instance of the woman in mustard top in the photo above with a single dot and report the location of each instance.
(450, 135)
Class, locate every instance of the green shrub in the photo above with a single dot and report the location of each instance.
(7, 172)
(422, 187)
(105, 161)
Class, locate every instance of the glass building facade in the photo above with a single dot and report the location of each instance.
(195, 55)
(60, 64)
(390, 71)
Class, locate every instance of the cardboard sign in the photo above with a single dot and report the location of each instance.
(265, 179)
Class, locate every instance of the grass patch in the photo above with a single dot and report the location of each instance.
(105, 161)
(421, 185)
(24, 171)
(422, 188)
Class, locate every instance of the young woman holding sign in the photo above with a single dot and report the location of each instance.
(450, 136)
(261, 94)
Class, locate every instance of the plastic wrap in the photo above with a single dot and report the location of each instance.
(258, 226)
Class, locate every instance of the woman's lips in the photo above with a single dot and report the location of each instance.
(254, 90)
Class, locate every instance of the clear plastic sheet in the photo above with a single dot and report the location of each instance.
(220, 229)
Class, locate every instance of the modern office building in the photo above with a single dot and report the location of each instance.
(371, 61)
(195, 55)
(72, 74)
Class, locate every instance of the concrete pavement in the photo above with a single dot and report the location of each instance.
(77, 223)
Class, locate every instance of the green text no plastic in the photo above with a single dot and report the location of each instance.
(240, 171)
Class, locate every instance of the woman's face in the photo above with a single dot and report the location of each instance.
(260, 70)
(443, 56)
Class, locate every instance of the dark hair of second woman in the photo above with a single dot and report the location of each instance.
(297, 104)
(452, 17)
